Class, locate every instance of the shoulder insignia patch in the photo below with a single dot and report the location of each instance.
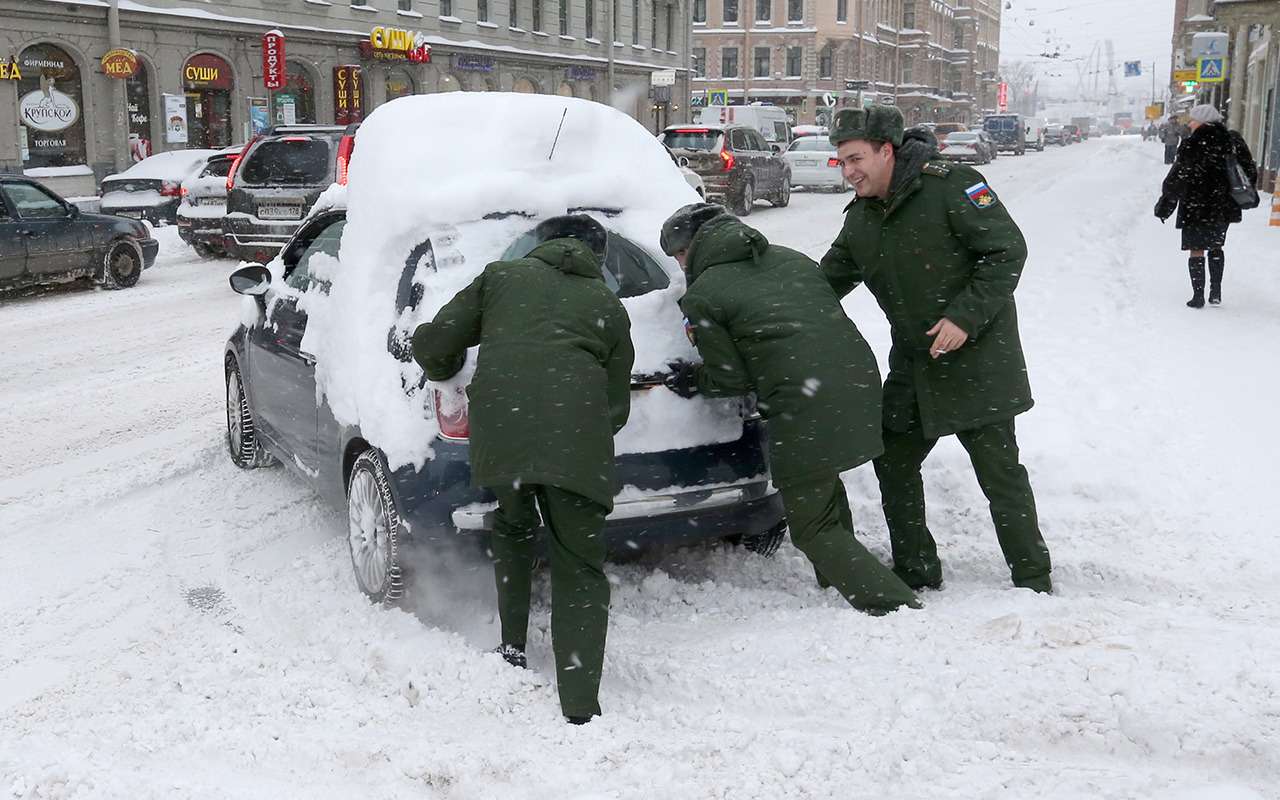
(980, 195)
(936, 169)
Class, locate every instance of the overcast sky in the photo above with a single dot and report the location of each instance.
(1140, 30)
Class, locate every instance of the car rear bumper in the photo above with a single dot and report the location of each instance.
(962, 158)
(167, 212)
(150, 248)
(816, 176)
(248, 234)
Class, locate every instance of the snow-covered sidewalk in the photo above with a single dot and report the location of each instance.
(173, 627)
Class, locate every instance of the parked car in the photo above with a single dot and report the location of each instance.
(737, 166)
(944, 129)
(690, 177)
(1034, 134)
(769, 121)
(1056, 134)
(967, 147)
(814, 164)
(688, 488)
(151, 189)
(46, 239)
(802, 131)
(276, 181)
(993, 152)
(1008, 131)
(204, 204)
(1071, 133)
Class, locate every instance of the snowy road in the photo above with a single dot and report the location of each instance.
(173, 627)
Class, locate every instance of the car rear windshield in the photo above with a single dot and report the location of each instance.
(960, 138)
(288, 160)
(691, 139)
(948, 127)
(218, 167)
(628, 270)
(1000, 124)
(812, 144)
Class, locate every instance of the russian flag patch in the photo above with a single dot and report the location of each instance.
(980, 195)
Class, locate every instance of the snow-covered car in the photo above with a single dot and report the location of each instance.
(814, 164)
(966, 147)
(802, 131)
(204, 204)
(152, 188)
(45, 239)
(315, 376)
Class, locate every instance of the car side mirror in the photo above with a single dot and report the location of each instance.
(73, 210)
(776, 148)
(683, 162)
(253, 279)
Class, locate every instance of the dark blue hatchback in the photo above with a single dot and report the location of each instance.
(674, 496)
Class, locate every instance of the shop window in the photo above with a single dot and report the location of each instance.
(700, 11)
(399, 84)
(295, 103)
(51, 108)
(794, 60)
(760, 58)
(207, 81)
(138, 105)
(731, 11)
(729, 62)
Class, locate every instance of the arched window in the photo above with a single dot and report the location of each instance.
(448, 83)
(51, 108)
(524, 86)
(399, 84)
(208, 81)
(137, 91)
(295, 102)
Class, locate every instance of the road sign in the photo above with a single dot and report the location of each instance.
(1132, 69)
(1155, 111)
(1210, 44)
(1184, 75)
(717, 97)
(1211, 70)
(829, 100)
(662, 77)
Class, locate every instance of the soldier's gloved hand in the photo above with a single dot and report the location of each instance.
(1165, 207)
(400, 345)
(683, 379)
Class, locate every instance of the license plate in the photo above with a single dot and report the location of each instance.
(209, 201)
(280, 212)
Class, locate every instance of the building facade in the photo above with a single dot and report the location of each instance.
(937, 59)
(194, 74)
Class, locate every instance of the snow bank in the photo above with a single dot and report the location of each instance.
(171, 166)
(524, 158)
(58, 172)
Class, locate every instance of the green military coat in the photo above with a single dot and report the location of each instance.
(942, 245)
(765, 320)
(553, 379)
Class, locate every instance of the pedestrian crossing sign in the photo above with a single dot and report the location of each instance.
(1211, 70)
(718, 97)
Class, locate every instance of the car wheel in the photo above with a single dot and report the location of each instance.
(746, 199)
(373, 530)
(783, 197)
(247, 450)
(767, 543)
(203, 250)
(122, 265)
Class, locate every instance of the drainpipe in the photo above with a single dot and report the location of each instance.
(611, 26)
(1238, 64)
(119, 99)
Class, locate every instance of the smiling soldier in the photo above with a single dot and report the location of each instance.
(939, 252)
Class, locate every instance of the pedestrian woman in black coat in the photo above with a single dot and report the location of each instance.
(1197, 187)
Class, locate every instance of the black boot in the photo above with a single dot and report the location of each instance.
(1196, 265)
(1217, 263)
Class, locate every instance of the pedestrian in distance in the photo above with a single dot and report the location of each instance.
(1171, 135)
(938, 250)
(545, 320)
(764, 321)
(1198, 188)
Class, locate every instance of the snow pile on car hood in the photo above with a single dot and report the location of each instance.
(174, 165)
(433, 167)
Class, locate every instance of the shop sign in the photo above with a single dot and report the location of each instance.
(467, 63)
(120, 63)
(348, 101)
(48, 110)
(396, 44)
(1184, 75)
(580, 74)
(273, 69)
(205, 71)
(10, 71)
(1002, 97)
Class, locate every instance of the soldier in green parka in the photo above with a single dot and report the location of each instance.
(552, 386)
(765, 321)
(942, 257)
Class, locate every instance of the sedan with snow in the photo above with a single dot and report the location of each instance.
(814, 164)
(317, 376)
(204, 204)
(966, 147)
(152, 188)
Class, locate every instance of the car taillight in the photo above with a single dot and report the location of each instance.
(452, 415)
(182, 192)
(727, 158)
(235, 163)
(169, 189)
(833, 162)
(345, 147)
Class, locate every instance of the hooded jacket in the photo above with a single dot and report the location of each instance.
(1198, 177)
(765, 320)
(941, 244)
(553, 379)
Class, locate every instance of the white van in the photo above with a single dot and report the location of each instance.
(770, 121)
(1035, 134)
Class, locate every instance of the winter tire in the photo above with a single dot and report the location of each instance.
(767, 543)
(203, 250)
(247, 451)
(122, 265)
(374, 530)
(783, 198)
(746, 199)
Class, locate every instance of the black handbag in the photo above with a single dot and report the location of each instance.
(1242, 191)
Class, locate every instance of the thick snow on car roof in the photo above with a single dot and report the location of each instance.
(173, 165)
(472, 173)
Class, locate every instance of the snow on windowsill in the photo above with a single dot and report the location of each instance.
(319, 2)
(454, 20)
(590, 40)
(541, 33)
(483, 24)
(514, 29)
(414, 14)
(566, 38)
(367, 9)
(58, 172)
(638, 47)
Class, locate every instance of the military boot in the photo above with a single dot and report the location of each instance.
(1195, 265)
